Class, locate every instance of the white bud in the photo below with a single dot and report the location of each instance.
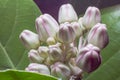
(66, 33)
(71, 52)
(75, 69)
(61, 71)
(29, 39)
(38, 68)
(46, 26)
(34, 56)
(81, 25)
(55, 53)
(92, 16)
(43, 51)
(67, 14)
(51, 41)
(98, 36)
(77, 28)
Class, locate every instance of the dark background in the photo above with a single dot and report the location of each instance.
(52, 6)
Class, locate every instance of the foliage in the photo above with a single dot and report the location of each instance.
(22, 75)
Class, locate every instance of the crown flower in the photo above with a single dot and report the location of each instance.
(68, 48)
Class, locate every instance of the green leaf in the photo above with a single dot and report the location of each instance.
(15, 16)
(110, 67)
(22, 75)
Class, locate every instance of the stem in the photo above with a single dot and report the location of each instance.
(64, 48)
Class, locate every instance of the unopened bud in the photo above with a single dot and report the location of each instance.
(43, 51)
(34, 56)
(67, 14)
(61, 71)
(49, 61)
(38, 68)
(55, 53)
(66, 33)
(51, 41)
(82, 43)
(46, 26)
(98, 36)
(92, 16)
(81, 25)
(29, 39)
(71, 52)
(75, 69)
(77, 29)
(89, 58)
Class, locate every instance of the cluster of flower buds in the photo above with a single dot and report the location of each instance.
(67, 48)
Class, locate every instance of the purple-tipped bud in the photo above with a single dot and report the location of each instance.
(43, 51)
(55, 53)
(77, 28)
(34, 56)
(89, 58)
(92, 16)
(98, 36)
(61, 71)
(67, 14)
(66, 33)
(38, 68)
(46, 26)
(29, 39)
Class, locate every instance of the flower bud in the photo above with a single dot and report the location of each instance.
(38, 68)
(51, 41)
(66, 33)
(81, 25)
(82, 43)
(35, 57)
(98, 36)
(75, 69)
(46, 26)
(77, 29)
(92, 16)
(71, 52)
(67, 14)
(43, 51)
(49, 61)
(55, 53)
(61, 71)
(89, 59)
(29, 39)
